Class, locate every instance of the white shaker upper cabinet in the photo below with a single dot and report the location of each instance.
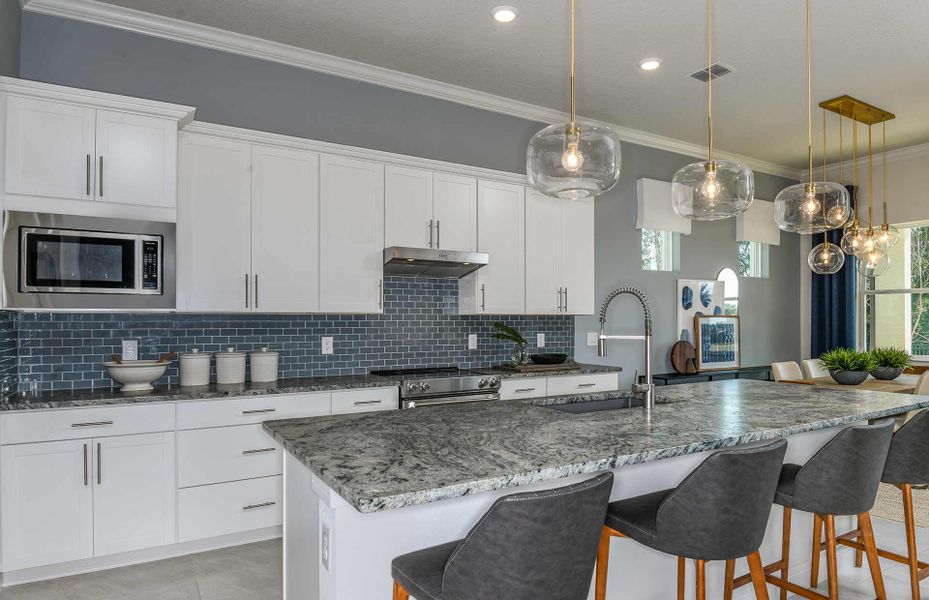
(351, 229)
(213, 224)
(408, 208)
(498, 288)
(577, 256)
(544, 282)
(136, 160)
(285, 230)
(455, 212)
(50, 149)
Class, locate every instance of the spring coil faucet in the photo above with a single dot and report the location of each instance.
(646, 391)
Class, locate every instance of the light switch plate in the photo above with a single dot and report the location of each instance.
(592, 337)
(327, 346)
(540, 340)
(324, 546)
(472, 341)
(130, 350)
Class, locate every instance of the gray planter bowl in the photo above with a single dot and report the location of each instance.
(848, 377)
(887, 373)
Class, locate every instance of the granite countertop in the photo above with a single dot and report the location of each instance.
(573, 369)
(103, 397)
(388, 460)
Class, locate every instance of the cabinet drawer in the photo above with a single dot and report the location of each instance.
(212, 510)
(583, 384)
(206, 456)
(250, 410)
(73, 423)
(523, 387)
(366, 400)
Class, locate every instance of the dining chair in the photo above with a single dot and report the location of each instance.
(786, 371)
(813, 368)
(922, 385)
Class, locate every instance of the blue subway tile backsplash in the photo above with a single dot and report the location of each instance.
(420, 327)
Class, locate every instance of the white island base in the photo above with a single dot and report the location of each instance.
(334, 552)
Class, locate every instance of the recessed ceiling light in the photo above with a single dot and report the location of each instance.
(649, 64)
(505, 14)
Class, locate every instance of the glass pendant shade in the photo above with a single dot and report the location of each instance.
(886, 237)
(812, 207)
(874, 263)
(826, 259)
(573, 163)
(853, 241)
(709, 191)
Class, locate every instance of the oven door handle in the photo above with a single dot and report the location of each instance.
(435, 401)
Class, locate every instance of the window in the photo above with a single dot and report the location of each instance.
(660, 250)
(753, 259)
(731, 281)
(893, 309)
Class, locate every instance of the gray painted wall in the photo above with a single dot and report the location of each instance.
(240, 91)
(10, 16)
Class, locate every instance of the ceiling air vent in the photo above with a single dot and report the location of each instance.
(719, 70)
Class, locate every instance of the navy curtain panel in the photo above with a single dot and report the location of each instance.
(834, 301)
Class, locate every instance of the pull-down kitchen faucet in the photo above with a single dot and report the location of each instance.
(645, 390)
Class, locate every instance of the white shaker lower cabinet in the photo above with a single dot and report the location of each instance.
(498, 288)
(213, 510)
(351, 230)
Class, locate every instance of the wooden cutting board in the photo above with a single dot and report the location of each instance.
(683, 357)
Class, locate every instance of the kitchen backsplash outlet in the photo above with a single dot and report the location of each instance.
(420, 327)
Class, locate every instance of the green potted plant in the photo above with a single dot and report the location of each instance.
(847, 366)
(508, 334)
(890, 362)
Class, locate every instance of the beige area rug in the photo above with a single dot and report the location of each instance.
(889, 505)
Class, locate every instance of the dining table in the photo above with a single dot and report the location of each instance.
(904, 384)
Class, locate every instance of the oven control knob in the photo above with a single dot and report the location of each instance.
(482, 383)
(424, 386)
(411, 387)
(494, 382)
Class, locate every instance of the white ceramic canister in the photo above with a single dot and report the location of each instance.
(263, 364)
(230, 366)
(195, 367)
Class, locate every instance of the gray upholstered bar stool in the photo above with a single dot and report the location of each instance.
(907, 466)
(527, 546)
(720, 511)
(840, 479)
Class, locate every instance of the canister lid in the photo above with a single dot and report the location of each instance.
(230, 352)
(195, 354)
(263, 351)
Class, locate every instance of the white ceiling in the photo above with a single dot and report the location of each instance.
(875, 50)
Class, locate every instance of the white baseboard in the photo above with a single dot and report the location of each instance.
(100, 563)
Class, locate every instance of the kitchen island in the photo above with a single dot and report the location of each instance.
(361, 489)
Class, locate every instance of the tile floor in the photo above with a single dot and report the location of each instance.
(253, 572)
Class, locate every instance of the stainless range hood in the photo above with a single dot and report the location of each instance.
(423, 262)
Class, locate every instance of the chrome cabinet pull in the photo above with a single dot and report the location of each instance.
(99, 463)
(438, 234)
(566, 300)
(246, 290)
(559, 299)
(89, 191)
(91, 424)
(520, 390)
(483, 297)
(258, 411)
(86, 465)
(586, 384)
(380, 294)
(101, 176)
(256, 290)
(430, 233)
(258, 451)
(259, 505)
(367, 402)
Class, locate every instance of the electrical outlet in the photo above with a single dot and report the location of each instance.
(472, 341)
(327, 346)
(130, 350)
(592, 337)
(324, 541)
(540, 340)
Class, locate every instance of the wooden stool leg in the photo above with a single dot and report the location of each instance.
(785, 549)
(399, 592)
(701, 580)
(867, 533)
(681, 576)
(830, 557)
(603, 563)
(910, 523)
(817, 549)
(757, 572)
(730, 580)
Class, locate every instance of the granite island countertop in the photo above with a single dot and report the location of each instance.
(45, 400)
(388, 460)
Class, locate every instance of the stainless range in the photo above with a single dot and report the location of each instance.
(442, 385)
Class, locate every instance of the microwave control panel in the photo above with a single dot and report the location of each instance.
(151, 265)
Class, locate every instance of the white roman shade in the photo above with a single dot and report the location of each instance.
(655, 210)
(757, 224)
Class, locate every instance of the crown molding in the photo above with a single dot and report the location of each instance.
(898, 155)
(204, 36)
(47, 91)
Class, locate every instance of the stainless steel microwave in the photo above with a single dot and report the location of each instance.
(67, 262)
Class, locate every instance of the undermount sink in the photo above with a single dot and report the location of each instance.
(596, 405)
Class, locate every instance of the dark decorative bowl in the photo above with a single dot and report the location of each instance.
(848, 377)
(548, 359)
(887, 373)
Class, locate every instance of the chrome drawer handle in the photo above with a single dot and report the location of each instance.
(367, 402)
(256, 411)
(261, 505)
(92, 424)
(525, 390)
(586, 384)
(258, 451)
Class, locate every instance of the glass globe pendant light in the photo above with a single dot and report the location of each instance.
(573, 160)
(828, 258)
(815, 206)
(873, 261)
(716, 188)
(854, 237)
(888, 235)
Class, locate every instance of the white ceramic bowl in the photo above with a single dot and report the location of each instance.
(136, 375)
